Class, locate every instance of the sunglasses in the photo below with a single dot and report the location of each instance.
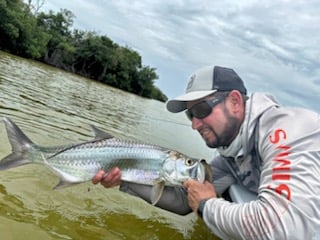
(203, 109)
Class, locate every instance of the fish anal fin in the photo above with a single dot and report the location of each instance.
(157, 191)
(64, 184)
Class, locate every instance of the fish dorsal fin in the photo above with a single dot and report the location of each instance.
(157, 191)
(100, 134)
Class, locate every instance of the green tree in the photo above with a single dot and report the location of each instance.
(94, 54)
(144, 81)
(19, 33)
(126, 68)
(27, 32)
(59, 49)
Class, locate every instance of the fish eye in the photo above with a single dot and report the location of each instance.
(189, 162)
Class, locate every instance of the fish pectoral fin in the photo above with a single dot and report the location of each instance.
(207, 170)
(157, 191)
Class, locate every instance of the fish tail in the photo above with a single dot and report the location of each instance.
(20, 145)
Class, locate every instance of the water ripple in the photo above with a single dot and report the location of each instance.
(54, 107)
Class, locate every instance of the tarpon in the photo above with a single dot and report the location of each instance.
(77, 163)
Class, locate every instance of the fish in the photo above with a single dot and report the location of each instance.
(76, 163)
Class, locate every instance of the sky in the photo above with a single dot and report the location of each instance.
(273, 45)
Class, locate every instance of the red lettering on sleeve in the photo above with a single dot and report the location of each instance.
(277, 136)
(281, 172)
(276, 177)
(284, 188)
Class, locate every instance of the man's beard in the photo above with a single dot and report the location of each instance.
(231, 130)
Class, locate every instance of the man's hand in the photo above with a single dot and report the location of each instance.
(109, 179)
(198, 191)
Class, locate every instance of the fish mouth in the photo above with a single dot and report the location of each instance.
(202, 172)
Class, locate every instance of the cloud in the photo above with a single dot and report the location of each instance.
(273, 45)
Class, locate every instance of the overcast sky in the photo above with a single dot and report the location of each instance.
(274, 45)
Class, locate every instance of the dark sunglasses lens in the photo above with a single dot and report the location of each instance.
(189, 114)
(200, 110)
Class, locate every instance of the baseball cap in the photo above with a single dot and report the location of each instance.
(205, 82)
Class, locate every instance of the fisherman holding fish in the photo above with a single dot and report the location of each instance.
(269, 151)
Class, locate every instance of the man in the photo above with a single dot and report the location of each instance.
(268, 149)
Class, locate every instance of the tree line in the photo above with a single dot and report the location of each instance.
(48, 37)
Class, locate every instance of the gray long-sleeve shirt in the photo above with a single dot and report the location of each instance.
(279, 160)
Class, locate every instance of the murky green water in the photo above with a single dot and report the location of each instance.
(54, 107)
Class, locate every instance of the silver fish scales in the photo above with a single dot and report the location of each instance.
(76, 163)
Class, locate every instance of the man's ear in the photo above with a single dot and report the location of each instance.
(235, 102)
(235, 99)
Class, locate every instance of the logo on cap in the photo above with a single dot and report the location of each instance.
(190, 83)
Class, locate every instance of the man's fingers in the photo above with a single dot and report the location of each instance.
(112, 178)
(188, 183)
(109, 179)
(98, 177)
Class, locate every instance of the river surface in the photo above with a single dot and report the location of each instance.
(54, 107)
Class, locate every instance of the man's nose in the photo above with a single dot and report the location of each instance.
(196, 123)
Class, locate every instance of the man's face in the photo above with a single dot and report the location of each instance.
(220, 127)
